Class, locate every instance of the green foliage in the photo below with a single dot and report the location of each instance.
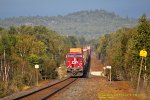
(3, 89)
(121, 50)
(23, 47)
(74, 41)
(12, 30)
(142, 41)
(33, 59)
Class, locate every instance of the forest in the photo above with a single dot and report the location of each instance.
(121, 50)
(89, 24)
(24, 46)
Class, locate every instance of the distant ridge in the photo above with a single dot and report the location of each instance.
(89, 24)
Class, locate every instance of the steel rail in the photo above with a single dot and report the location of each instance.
(50, 94)
(56, 91)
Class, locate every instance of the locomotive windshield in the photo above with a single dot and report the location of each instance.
(74, 55)
(78, 55)
(70, 55)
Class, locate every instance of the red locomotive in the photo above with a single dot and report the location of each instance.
(76, 61)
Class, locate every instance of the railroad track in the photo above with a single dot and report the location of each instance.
(46, 92)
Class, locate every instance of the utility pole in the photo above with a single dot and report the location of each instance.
(37, 67)
(143, 54)
(139, 76)
(109, 67)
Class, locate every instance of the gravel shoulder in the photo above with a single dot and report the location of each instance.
(98, 88)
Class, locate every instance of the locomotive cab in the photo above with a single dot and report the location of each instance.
(75, 63)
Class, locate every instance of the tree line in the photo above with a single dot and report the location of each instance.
(88, 23)
(24, 46)
(121, 50)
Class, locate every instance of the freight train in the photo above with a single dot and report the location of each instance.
(76, 61)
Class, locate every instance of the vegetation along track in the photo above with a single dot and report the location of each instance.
(47, 92)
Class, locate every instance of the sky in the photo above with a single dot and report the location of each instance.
(124, 8)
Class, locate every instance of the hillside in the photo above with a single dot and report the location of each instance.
(89, 24)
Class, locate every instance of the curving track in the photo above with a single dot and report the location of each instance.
(47, 92)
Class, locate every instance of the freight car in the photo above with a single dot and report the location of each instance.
(76, 61)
